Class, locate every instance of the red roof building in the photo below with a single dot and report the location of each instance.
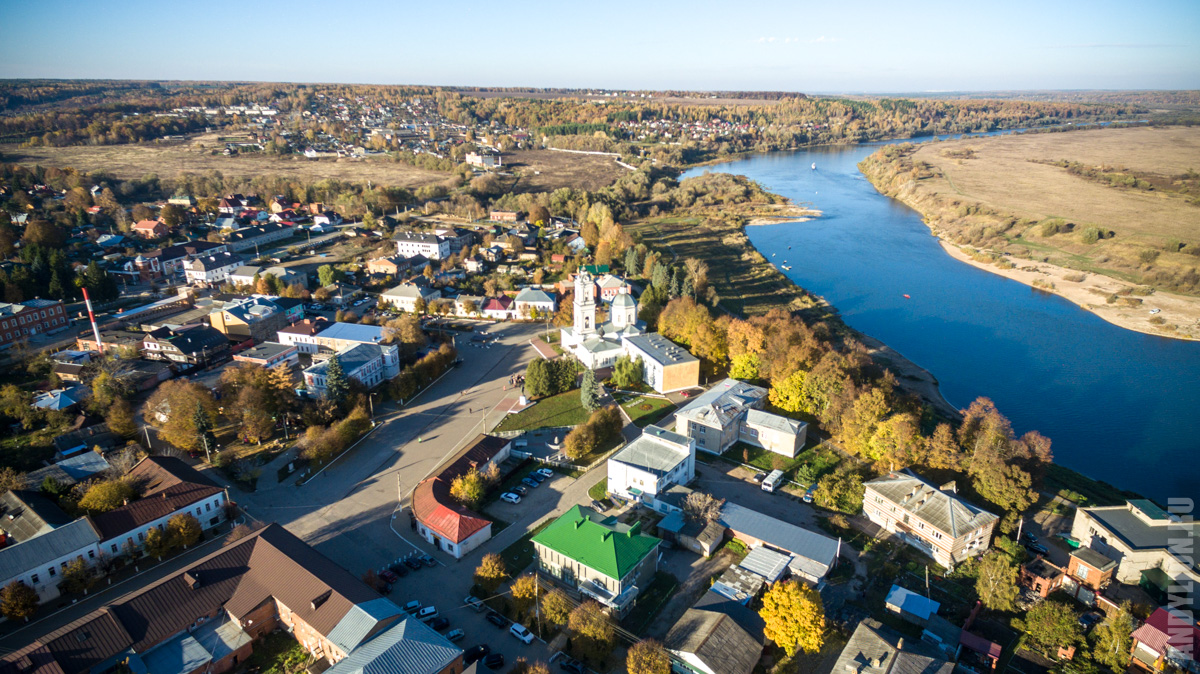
(441, 519)
(151, 229)
(1167, 638)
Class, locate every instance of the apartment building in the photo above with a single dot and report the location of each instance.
(933, 520)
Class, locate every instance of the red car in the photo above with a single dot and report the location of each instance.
(389, 576)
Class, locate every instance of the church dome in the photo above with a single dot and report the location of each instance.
(624, 300)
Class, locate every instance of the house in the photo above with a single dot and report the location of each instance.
(432, 246)
(211, 269)
(1041, 576)
(269, 354)
(598, 346)
(184, 200)
(1152, 547)
(597, 556)
(33, 317)
(79, 441)
(150, 229)
(342, 294)
(38, 560)
(707, 642)
(608, 286)
(770, 565)
(876, 649)
(667, 367)
(146, 375)
(227, 224)
(534, 303)
(467, 305)
(1091, 569)
(404, 296)
(440, 518)
(27, 514)
(256, 318)
(108, 241)
(1169, 640)
(245, 276)
(731, 411)
(169, 487)
(394, 266)
(910, 606)
(935, 521)
(340, 336)
(71, 470)
(460, 239)
(257, 236)
(69, 372)
(410, 646)
(195, 346)
(651, 463)
(364, 363)
(497, 308)
(303, 334)
(110, 341)
(208, 616)
(484, 160)
(812, 555)
(504, 216)
(61, 399)
(172, 259)
(575, 244)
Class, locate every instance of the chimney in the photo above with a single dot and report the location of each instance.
(192, 579)
(875, 663)
(950, 486)
(900, 644)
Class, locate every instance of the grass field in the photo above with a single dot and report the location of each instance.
(1005, 194)
(541, 170)
(564, 409)
(644, 411)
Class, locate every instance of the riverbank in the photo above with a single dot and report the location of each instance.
(1093, 293)
(1114, 240)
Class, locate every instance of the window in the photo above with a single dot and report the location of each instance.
(34, 578)
(51, 571)
(208, 507)
(114, 548)
(213, 521)
(91, 554)
(1082, 572)
(141, 537)
(198, 513)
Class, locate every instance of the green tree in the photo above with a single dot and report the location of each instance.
(102, 497)
(18, 601)
(337, 386)
(78, 577)
(538, 378)
(1051, 624)
(633, 265)
(795, 617)
(157, 543)
(841, 490)
(203, 424)
(1112, 640)
(468, 488)
(628, 371)
(10, 479)
(185, 529)
(172, 409)
(119, 418)
(648, 657)
(996, 581)
(328, 275)
(589, 391)
(490, 573)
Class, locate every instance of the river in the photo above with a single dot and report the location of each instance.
(1118, 405)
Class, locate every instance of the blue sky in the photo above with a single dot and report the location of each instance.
(789, 46)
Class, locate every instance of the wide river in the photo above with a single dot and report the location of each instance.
(1119, 406)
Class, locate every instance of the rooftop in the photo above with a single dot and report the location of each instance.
(408, 647)
(656, 450)
(599, 543)
(48, 547)
(432, 503)
(28, 514)
(265, 351)
(942, 510)
(167, 484)
(1143, 526)
(350, 359)
(723, 403)
(353, 332)
(774, 421)
(660, 349)
(716, 640)
(910, 602)
(875, 649)
(804, 544)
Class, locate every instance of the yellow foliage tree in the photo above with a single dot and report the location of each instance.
(648, 657)
(794, 616)
(490, 572)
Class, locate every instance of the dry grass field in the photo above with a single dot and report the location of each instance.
(541, 170)
(1003, 175)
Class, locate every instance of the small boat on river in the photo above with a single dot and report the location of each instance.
(907, 297)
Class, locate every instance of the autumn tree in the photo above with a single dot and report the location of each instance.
(996, 581)
(18, 601)
(468, 488)
(1112, 640)
(172, 408)
(794, 616)
(185, 528)
(490, 573)
(524, 593)
(593, 630)
(1051, 624)
(701, 507)
(119, 418)
(628, 371)
(648, 657)
(841, 490)
(102, 497)
(158, 543)
(78, 577)
(11, 479)
(556, 607)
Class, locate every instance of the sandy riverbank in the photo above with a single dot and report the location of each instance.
(782, 213)
(1180, 314)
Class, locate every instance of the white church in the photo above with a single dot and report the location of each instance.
(666, 365)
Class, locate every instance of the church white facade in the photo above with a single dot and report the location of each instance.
(598, 346)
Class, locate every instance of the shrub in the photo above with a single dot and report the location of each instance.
(1091, 235)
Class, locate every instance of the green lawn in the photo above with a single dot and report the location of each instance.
(519, 555)
(821, 460)
(599, 491)
(277, 653)
(28, 451)
(645, 411)
(1083, 490)
(564, 409)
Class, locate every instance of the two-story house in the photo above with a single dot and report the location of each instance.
(211, 269)
(404, 296)
(364, 363)
(33, 317)
(303, 334)
(935, 521)
(432, 246)
(535, 303)
(597, 556)
(650, 465)
(341, 336)
(731, 411)
(254, 317)
(191, 345)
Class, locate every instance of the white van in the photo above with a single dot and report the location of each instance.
(773, 480)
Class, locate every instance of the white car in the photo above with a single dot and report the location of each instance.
(428, 613)
(509, 497)
(546, 472)
(519, 631)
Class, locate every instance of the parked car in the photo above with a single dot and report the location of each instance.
(538, 477)
(1090, 619)
(494, 661)
(474, 602)
(497, 620)
(571, 665)
(427, 560)
(509, 497)
(520, 490)
(412, 607)
(384, 588)
(598, 506)
(808, 495)
(388, 576)
(428, 613)
(521, 633)
(412, 564)
(528, 481)
(1036, 547)
(1029, 537)
(545, 472)
(439, 623)
(455, 635)
(399, 569)
(759, 477)
(476, 653)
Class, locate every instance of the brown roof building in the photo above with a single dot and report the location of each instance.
(441, 520)
(211, 612)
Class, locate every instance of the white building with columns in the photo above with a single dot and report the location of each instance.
(598, 346)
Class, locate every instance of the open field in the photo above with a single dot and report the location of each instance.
(541, 170)
(1119, 234)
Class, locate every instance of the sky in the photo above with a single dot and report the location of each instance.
(830, 47)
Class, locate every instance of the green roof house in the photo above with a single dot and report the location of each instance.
(598, 557)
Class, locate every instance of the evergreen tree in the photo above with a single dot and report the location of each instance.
(632, 264)
(676, 282)
(537, 378)
(589, 392)
(661, 277)
(336, 384)
(204, 428)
